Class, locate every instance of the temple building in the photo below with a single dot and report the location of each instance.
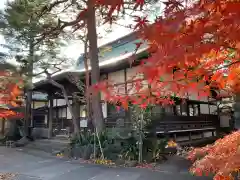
(194, 121)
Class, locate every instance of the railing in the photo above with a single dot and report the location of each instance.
(171, 123)
(174, 124)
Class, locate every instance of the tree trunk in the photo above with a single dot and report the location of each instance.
(50, 116)
(28, 112)
(95, 72)
(76, 108)
(28, 89)
(87, 81)
(3, 126)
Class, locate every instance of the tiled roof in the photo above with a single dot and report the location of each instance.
(115, 49)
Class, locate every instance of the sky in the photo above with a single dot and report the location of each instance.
(75, 48)
(1, 38)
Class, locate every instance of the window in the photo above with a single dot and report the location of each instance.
(54, 113)
(178, 110)
(169, 109)
(64, 112)
(59, 112)
(157, 109)
(193, 110)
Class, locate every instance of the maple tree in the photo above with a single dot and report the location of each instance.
(9, 93)
(194, 48)
(222, 158)
(190, 51)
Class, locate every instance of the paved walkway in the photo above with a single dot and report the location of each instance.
(35, 165)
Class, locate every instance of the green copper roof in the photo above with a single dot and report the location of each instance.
(114, 50)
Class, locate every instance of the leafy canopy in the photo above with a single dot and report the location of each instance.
(22, 26)
(194, 48)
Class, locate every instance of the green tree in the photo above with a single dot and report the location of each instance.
(21, 27)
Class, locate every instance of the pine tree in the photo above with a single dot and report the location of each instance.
(21, 26)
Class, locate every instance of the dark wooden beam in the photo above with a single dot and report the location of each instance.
(50, 117)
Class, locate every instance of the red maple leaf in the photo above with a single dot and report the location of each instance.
(141, 22)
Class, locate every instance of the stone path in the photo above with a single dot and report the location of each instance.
(35, 165)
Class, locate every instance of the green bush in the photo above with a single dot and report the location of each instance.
(130, 150)
(82, 139)
(86, 139)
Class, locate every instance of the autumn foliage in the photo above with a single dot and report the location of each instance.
(194, 47)
(9, 93)
(222, 158)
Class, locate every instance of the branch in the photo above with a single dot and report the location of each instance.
(50, 6)
(226, 66)
(80, 85)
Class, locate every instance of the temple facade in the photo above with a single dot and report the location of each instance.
(195, 120)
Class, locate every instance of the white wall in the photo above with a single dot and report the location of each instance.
(117, 77)
(54, 102)
(69, 115)
(192, 95)
(209, 134)
(104, 109)
(46, 119)
(132, 73)
(38, 104)
(205, 109)
(225, 120)
(82, 111)
(61, 102)
(62, 112)
(103, 77)
(213, 109)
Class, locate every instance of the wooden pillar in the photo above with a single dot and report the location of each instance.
(50, 115)
(209, 110)
(185, 109)
(32, 115)
(28, 112)
(127, 113)
(3, 126)
(237, 112)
